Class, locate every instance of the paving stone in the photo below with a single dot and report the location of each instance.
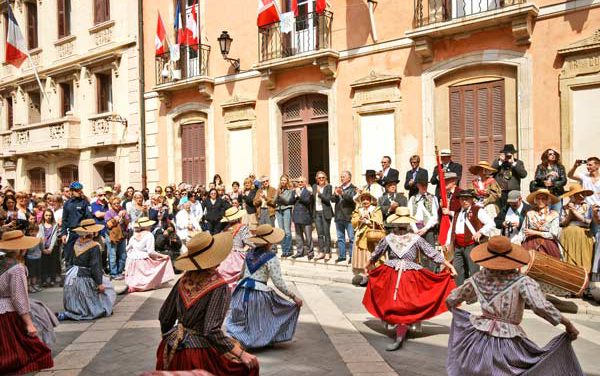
(73, 327)
(369, 367)
(85, 346)
(70, 372)
(96, 336)
(74, 359)
(142, 324)
(102, 325)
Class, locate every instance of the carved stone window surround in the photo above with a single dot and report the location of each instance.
(376, 88)
(239, 113)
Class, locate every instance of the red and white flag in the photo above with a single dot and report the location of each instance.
(191, 27)
(160, 38)
(267, 13)
(16, 48)
(320, 6)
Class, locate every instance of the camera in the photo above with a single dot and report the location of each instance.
(581, 161)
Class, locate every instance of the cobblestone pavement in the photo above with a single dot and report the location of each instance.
(335, 336)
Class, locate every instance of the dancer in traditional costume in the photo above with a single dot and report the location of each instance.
(494, 343)
(146, 269)
(21, 351)
(192, 315)
(576, 237)
(542, 225)
(231, 267)
(401, 292)
(365, 218)
(486, 188)
(259, 316)
(87, 294)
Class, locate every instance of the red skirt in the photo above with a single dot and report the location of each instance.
(19, 353)
(202, 359)
(541, 244)
(421, 294)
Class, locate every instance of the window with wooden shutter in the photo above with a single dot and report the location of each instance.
(193, 150)
(64, 18)
(295, 153)
(35, 103)
(9, 112)
(68, 174)
(104, 92)
(66, 98)
(37, 179)
(101, 11)
(477, 124)
(32, 25)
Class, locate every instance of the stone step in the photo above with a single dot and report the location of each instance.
(317, 271)
(303, 262)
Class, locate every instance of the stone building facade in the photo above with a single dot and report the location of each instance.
(86, 126)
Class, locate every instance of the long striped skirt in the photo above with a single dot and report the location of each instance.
(261, 318)
(19, 353)
(44, 321)
(472, 352)
(82, 300)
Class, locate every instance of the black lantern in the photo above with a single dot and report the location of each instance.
(225, 44)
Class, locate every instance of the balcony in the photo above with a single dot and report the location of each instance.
(304, 41)
(55, 135)
(437, 19)
(104, 129)
(187, 70)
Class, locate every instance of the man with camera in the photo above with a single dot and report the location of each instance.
(512, 215)
(590, 179)
(510, 171)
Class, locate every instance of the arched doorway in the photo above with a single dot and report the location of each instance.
(68, 174)
(37, 180)
(305, 136)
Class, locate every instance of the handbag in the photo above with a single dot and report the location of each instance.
(115, 234)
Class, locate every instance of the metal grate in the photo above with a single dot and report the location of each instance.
(294, 140)
(192, 62)
(320, 107)
(428, 12)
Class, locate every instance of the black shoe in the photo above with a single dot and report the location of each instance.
(349, 261)
(340, 259)
(297, 255)
(310, 256)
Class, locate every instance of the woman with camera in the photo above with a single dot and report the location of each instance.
(550, 174)
(117, 221)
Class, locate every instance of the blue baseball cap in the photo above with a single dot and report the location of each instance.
(76, 186)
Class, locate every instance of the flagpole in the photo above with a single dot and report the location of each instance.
(37, 77)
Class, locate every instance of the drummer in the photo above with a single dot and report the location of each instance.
(366, 217)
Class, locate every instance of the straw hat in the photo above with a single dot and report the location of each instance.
(267, 234)
(400, 217)
(575, 189)
(89, 226)
(233, 214)
(531, 197)
(205, 251)
(500, 254)
(143, 222)
(369, 195)
(482, 165)
(15, 241)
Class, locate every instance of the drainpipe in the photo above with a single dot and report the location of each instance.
(142, 81)
(372, 19)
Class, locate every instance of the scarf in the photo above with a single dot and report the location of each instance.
(6, 263)
(196, 284)
(81, 248)
(257, 258)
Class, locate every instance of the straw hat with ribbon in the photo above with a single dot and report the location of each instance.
(532, 196)
(143, 222)
(500, 254)
(15, 241)
(89, 226)
(400, 217)
(367, 195)
(233, 214)
(205, 251)
(575, 189)
(267, 234)
(482, 165)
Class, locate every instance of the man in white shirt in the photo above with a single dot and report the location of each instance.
(186, 223)
(511, 217)
(470, 226)
(590, 179)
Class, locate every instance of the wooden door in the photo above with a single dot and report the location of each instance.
(37, 179)
(193, 150)
(477, 124)
(295, 152)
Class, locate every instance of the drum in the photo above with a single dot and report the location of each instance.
(374, 236)
(559, 275)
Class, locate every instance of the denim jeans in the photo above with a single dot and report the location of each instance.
(323, 233)
(284, 221)
(343, 227)
(117, 255)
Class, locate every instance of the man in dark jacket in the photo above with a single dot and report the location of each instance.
(510, 171)
(448, 166)
(512, 215)
(343, 198)
(387, 173)
(413, 175)
(76, 209)
(302, 217)
(323, 213)
(391, 199)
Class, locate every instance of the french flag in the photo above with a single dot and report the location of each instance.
(180, 36)
(16, 48)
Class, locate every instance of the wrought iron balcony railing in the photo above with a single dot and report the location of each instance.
(429, 12)
(307, 33)
(191, 62)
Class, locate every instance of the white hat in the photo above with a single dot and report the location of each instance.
(445, 153)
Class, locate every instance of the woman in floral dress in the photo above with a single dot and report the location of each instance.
(542, 225)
